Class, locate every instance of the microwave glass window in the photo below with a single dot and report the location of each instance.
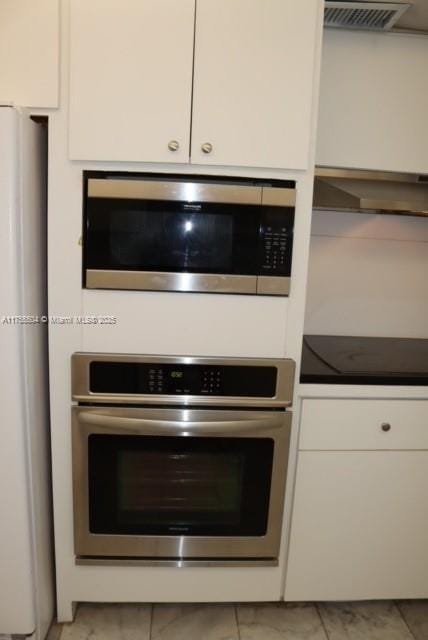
(150, 485)
(184, 240)
(142, 235)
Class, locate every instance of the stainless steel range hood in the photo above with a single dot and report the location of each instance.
(371, 191)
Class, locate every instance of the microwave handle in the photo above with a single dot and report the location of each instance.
(172, 427)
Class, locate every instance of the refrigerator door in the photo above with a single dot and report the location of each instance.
(17, 604)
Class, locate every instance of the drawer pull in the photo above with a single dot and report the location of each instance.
(385, 426)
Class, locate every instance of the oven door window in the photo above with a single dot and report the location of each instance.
(147, 485)
(142, 235)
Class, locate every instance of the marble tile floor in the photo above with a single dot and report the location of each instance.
(385, 620)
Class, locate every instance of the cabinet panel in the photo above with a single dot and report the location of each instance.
(253, 82)
(357, 424)
(359, 527)
(130, 79)
(215, 325)
(373, 101)
(29, 52)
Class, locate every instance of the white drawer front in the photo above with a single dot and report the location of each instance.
(363, 424)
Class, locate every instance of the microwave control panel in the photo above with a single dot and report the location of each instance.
(276, 236)
(275, 249)
(141, 378)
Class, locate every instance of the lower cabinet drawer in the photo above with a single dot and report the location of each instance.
(359, 526)
(347, 424)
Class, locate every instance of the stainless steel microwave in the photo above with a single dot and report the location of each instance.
(162, 232)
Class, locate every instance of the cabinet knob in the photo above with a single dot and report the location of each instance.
(207, 147)
(385, 426)
(173, 145)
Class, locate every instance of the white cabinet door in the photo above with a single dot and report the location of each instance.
(359, 526)
(29, 52)
(253, 82)
(130, 79)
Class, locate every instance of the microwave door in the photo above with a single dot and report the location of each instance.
(171, 246)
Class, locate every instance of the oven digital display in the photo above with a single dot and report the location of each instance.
(138, 378)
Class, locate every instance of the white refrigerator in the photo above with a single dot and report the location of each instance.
(26, 564)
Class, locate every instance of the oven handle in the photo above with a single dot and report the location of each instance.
(145, 425)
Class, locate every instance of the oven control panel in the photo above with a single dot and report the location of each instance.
(139, 378)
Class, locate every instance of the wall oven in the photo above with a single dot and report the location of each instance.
(179, 460)
(191, 233)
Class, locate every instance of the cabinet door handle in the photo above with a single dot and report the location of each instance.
(385, 426)
(207, 147)
(173, 145)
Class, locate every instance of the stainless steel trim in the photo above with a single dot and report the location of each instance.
(357, 190)
(170, 190)
(80, 382)
(277, 427)
(250, 426)
(278, 197)
(273, 285)
(364, 174)
(165, 281)
(190, 191)
(179, 564)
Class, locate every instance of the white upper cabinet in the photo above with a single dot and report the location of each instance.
(29, 52)
(131, 80)
(251, 62)
(253, 82)
(374, 102)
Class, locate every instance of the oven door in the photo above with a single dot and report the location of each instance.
(178, 483)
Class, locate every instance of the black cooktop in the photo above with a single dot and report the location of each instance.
(357, 360)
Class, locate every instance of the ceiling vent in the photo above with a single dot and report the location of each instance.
(377, 16)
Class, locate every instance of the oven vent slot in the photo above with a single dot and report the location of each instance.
(377, 16)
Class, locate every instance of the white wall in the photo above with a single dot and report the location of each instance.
(374, 101)
(368, 275)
